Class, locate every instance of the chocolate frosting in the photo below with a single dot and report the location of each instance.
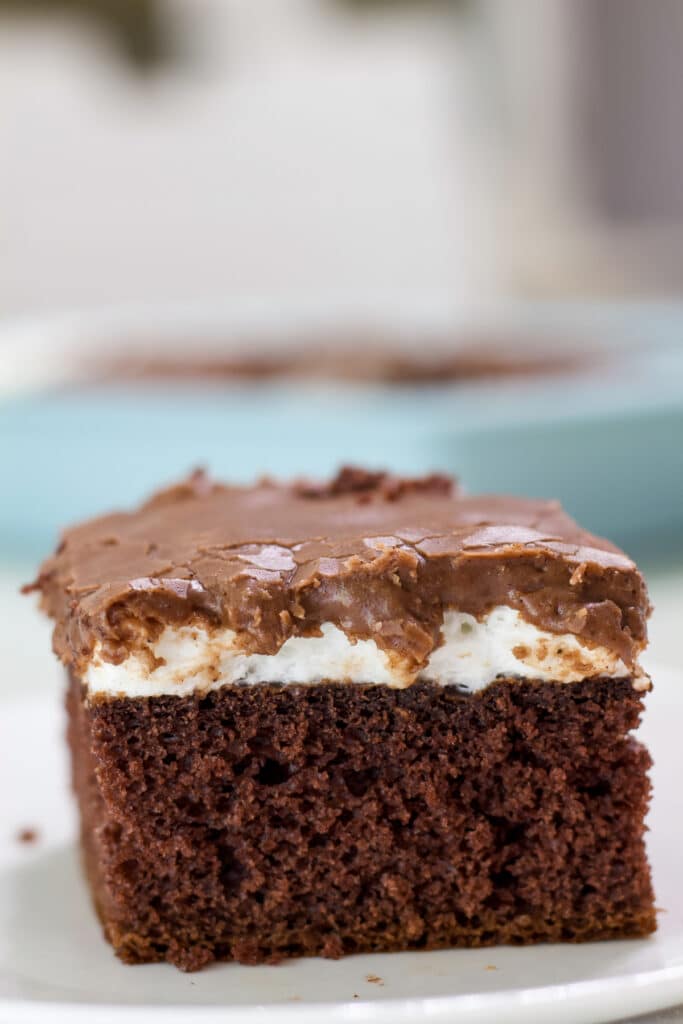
(379, 556)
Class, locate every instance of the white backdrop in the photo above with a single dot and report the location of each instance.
(303, 151)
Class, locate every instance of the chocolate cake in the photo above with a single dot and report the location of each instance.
(373, 714)
(426, 361)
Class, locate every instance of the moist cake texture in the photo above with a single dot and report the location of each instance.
(372, 714)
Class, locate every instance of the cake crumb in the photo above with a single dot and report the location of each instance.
(374, 979)
(28, 835)
(490, 967)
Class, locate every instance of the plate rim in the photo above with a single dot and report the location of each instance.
(660, 987)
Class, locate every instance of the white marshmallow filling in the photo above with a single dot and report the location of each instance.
(473, 653)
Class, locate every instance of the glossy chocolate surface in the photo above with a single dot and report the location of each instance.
(378, 556)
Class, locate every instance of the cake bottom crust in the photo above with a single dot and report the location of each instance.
(257, 823)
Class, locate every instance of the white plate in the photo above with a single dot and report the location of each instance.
(54, 964)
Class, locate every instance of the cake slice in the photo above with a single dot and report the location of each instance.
(368, 715)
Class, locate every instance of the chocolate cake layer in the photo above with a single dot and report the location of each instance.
(378, 557)
(256, 823)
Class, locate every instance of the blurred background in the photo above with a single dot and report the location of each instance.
(275, 237)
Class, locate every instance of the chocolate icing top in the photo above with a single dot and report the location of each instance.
(379, 556)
